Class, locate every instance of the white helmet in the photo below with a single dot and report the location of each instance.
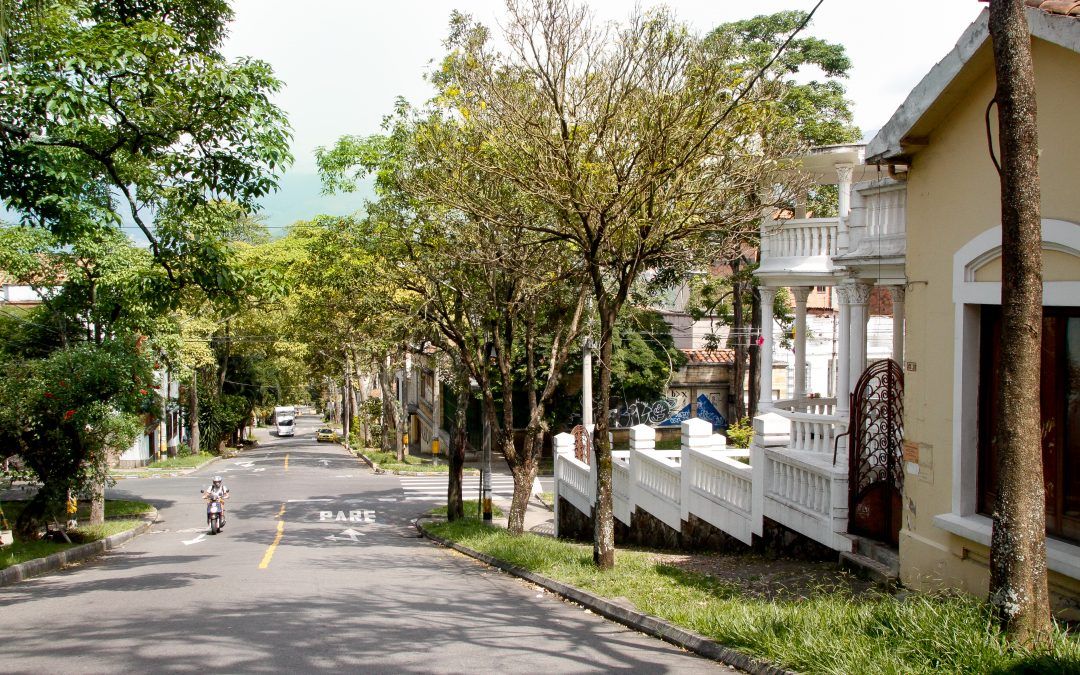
(217, 479)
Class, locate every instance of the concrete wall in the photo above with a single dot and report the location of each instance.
(953, 196)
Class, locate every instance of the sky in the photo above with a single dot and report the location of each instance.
(345, 62)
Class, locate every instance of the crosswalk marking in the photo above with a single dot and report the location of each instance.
(433, 488)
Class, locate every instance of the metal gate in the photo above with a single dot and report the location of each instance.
(875, 459)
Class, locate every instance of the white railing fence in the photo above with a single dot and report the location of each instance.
(787, 475)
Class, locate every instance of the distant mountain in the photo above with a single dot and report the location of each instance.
(300, 198)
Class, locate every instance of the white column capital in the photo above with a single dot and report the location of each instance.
(897, 293)
(844, 172)
(768, 295)
(858, 293)
(801, 293)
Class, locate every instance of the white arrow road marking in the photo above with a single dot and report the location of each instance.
(291, 501)
(246, 465)
(258, 470)
(324, 462)
(346, 535)
(196, 540)
(348, 475)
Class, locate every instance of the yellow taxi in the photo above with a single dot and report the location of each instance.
(325, 434)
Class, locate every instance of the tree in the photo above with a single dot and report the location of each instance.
(1018, 585)
(646, 152)
(119, 112)
(489, 286)
(820, 114)
(63, 413)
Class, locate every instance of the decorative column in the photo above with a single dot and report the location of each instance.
(801, 293)
(859, 298)
(768, 295)
(843, 184)
(843, 352)
(897, 324)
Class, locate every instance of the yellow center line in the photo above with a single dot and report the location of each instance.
(277, 539)
(286, 461)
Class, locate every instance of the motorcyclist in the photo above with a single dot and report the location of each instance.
(218, 489)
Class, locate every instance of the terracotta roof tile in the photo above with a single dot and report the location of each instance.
(1065, 7)
(720, 356)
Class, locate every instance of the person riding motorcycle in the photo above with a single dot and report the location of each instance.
(218, 490)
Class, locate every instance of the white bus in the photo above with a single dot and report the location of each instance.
(284, 418)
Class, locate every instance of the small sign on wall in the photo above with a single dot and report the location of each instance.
(911, 452)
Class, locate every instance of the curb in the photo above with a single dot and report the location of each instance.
(643, 623)
(56, 561)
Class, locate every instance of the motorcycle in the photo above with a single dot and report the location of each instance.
(215, 511)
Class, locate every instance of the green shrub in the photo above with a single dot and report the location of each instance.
(740, 433)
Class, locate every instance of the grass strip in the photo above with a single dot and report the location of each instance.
(828, 632)
(22, 551)
(470, 506)
(181, 462)
(387, 461)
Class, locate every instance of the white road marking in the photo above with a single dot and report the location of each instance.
(294, 501)
(346, 535)
(354, 516)
(433, 488)
(196, 540)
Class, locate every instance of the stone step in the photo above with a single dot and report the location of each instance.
(876, 550)
(872, 569)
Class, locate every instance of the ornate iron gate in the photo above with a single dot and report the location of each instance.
(875, 459)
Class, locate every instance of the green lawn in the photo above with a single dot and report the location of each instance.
(829, 632)
(183, 462)
(21, 551)
(388, 462)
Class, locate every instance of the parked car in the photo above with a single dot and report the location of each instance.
(325, 434)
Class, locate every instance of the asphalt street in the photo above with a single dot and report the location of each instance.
(317, 569)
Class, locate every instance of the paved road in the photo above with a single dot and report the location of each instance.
(318, 569)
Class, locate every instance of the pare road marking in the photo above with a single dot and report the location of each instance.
(352, 516)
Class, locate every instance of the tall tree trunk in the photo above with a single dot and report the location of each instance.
(224, 361)
(603, 512)
(753, 388)
(455, 508)
(97, 499)
(365, 434)
(194, 438)
(741, 342)
(388, 406)
(346, 402)
(1018, 585)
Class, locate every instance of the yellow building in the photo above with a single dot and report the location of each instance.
(953, 335)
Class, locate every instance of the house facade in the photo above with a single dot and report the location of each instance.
(953, 270)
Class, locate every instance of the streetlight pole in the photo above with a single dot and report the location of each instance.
(485, 472)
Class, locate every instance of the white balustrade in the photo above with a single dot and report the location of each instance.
(657, 486)
(718, 488)
(800, 238)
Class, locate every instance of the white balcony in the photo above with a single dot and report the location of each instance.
(799, 251)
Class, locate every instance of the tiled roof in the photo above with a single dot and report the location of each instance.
(1066, 7)
(720, 356)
